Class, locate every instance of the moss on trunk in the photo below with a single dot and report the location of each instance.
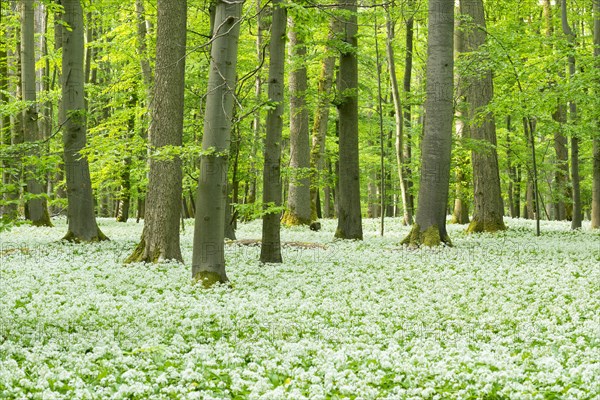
(71, 237)
(208, 279)
(430, 237)
(479, 226)
(291, 219)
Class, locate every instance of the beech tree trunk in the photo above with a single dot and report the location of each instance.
(80, 211)
(37, 207)
(488, 209)
(160, 237)
(349, 210)
(430, 223)
(298, 204)
(208, 262)
(596, 154)
(270, 250)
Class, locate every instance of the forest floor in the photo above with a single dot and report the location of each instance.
(505, 316)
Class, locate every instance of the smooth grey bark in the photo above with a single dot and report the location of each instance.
(298, 209)
(270, 250)
(160, 237)
(208, 260)
(575, 179)
(430, 222)
(479, 90)
(320, 124)
(348, 197)
(37, 207)
(399, 120)
(596, 145)
(80, 211)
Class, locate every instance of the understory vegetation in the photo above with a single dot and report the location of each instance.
(503, 316)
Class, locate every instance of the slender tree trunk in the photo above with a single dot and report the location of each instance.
(430, 223)
(298, 210)
(407, 151)
(208, 262)
(80, 212)
(319, 130)
(398, 116)
(160, 237)
(271, 242)
(479, 90)
(596, 150)
(349, 210)
(37, 207)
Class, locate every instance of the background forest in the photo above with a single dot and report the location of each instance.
(284, 128)
(541, 54)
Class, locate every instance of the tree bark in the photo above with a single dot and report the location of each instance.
(270, 250)
(80, 211)
(479, 90)
(596, 150)
(37, 207)
(298, 210)
(349, 210)
(160, 237)
(430, 223)
(208, 262)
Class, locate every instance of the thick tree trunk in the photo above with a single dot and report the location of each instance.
(430, 223)
(488, 208)
(298, 210)
(349, 210)
(80, 212)
(160, 237)
(398, 117)
(37, 207)
(270, 250)
(320, 124)
(208, 262)
(596, 154)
